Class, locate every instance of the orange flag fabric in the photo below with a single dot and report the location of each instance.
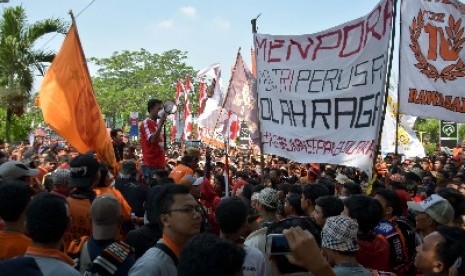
(68, 102)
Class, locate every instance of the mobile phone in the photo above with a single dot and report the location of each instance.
(276, 244)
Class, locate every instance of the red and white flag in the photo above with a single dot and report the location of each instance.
(188, 122)
(233, 126)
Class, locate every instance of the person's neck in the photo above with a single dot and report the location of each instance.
(234, 237)
(53, 245)
(14, 226)
(179, 240)
(267, 216)
(153, 117)
(427, 231)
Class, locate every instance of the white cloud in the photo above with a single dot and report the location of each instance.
(189, 11)
(222, 24)
(165, 24)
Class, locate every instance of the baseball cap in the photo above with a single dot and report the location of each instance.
(268, 197)
(60, 176)
(83, 168)
(436, 207)
(105, 214)
(14, 170)
(415, 174)
(340, 233)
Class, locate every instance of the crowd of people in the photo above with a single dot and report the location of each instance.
(197, 211)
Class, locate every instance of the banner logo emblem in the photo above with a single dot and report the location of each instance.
(444, 43)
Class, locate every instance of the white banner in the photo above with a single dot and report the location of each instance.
(320, 96)
(432, 60)
(408, 144)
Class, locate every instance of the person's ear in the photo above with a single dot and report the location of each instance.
(164, 218)
(438, 267)
(389, 210)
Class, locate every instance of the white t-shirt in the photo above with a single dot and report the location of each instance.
(254, 262)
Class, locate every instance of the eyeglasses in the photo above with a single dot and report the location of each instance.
(190, 209)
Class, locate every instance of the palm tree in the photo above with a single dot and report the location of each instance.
(19, 61)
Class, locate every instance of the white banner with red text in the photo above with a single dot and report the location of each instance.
(320, 95)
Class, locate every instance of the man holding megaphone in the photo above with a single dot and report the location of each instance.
(151, 135)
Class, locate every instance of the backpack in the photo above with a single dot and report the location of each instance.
(109, 261)
(105, 264)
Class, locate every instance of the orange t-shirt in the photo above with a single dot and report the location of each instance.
(13, 244)
(179, 172)
(81, 224)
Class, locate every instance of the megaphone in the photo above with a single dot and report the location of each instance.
(170, 107)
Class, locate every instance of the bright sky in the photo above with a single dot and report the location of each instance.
(210, 31)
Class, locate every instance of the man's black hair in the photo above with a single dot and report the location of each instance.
(314, 191)
(14, 197)
(47, 218)
(330, 205)
(328, 182)
(282, 263)
(392, 200)
(258, 188)
(207, 254)
(114, 132)
(294, 200)
(365, 210)
(231, 214)
(103, 175)
(353, 188)
(295, 189)
(161, 198)
(247, 191)
(152, 103)
(453, 247)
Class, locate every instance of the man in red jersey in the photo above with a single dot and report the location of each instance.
(151, 136)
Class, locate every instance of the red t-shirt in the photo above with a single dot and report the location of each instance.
(374, 254)
(153, 154)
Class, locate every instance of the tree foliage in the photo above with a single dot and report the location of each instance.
(19, 59)
(128, 79)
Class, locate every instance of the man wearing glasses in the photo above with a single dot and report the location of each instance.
(179, 214)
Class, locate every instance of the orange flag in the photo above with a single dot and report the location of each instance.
(68, 102)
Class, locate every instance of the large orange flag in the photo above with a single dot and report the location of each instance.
(68, 103)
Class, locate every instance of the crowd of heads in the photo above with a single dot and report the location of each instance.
(412, 209)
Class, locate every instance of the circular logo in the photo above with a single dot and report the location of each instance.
(448, 129)
(445, 43)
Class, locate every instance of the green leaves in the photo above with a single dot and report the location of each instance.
(126, 80)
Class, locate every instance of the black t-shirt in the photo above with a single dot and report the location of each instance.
(134, 192)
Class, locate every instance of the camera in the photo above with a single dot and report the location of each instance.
(276, 244)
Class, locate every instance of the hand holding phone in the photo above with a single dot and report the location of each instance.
(276, 244)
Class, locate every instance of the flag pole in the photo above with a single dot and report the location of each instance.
(73, 21)
(396, 150)
(259, 126)
(387, 82)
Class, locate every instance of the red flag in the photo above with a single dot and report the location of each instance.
(68, 102)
